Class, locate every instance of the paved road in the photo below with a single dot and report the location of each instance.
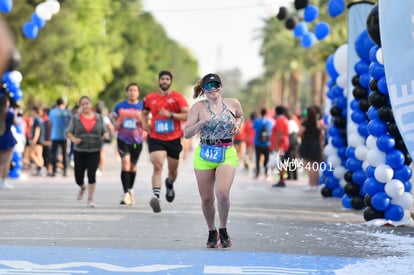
(45, 230)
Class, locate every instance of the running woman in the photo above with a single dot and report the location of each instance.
(127, 119)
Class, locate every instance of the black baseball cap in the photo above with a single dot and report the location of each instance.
(211, 78)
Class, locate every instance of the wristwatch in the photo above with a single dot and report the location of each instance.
(172, 115)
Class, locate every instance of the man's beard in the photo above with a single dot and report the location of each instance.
(164, 87)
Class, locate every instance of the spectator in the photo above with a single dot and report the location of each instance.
(280, 140)
(310, 150)
(263, 128)
(59, 118)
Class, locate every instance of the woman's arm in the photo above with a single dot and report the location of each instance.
(193, 124)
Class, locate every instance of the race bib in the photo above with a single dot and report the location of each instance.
(213, 153)
(129, 123)
(164, 126)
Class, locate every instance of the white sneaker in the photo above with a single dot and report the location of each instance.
(310, 188)
(132, 196)
(126, 199)
(5, 185)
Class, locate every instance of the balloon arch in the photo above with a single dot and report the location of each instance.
(12, 79)
(367, 142)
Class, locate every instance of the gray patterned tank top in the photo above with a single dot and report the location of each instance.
(220, 126)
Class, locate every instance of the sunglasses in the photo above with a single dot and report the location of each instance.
(212, 85)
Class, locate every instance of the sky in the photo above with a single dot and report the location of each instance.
(222, 35)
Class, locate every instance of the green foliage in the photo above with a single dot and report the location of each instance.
(96, 48)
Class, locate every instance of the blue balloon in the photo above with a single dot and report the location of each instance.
(364, 80)
(6, 6)
(338, 192)
(341, 102)
(394, 212)
(363, 129)
(372, 113)
(30, 30)
(39, 22)
(337, 91)
(322, 30)
(355, 105)
(359, 177)
(370, 171)
(6, 77)
(363, 45)
(346, 201)
(336, 7)
(308, 40)
(331, 182)
(376, 70)
(353, 164)
(330, 83)
(407, 186)
(380, 201)
(338, 141)
(358, 116)
(394, 158)
(377, 127)
(403, 173)
(373, 53)
(345, 112)
(17, 95)
(361, 67)
(310, 13)
(330, 68)
(334, 131)
(15, 173)
(372, 186)
(342, 152)
(350, 152)
(382, 85)
(385, 143)
(300, 29)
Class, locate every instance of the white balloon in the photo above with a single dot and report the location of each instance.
(334, 160)
(352, 127)
(342, 183)
(383, 173)
(365, 165)
(394, 188)
(379, 57)
(339, 172)
(330, 150)
(371, 142)
(355, 140)
(405, 200)
(375, 157)
(19, 147)
(361, 152)
(42, 10)
(342, 81)
(340, 59)
(16, 77)
(53, 6)
(407, 217)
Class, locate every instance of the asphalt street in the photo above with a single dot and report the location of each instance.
(45, 230)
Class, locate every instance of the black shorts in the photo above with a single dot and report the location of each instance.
(134, 150)
(173, 147)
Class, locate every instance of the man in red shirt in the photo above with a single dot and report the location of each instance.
(280, 139)
(168, 108)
